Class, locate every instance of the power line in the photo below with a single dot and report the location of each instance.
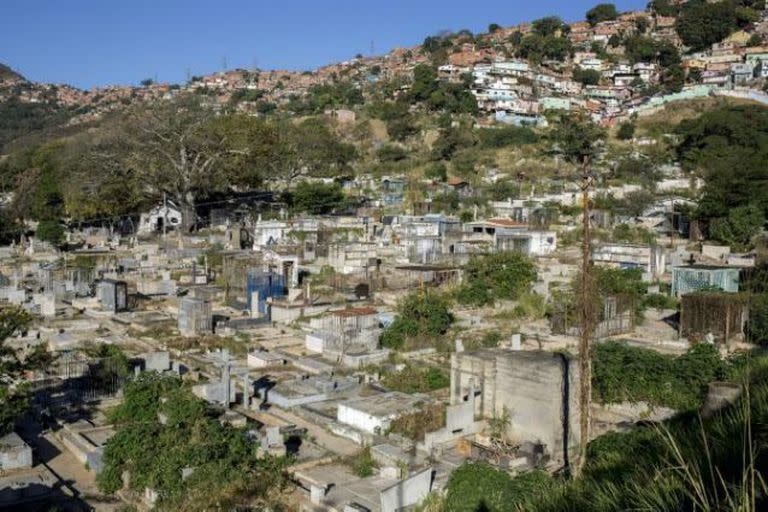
(205, 203)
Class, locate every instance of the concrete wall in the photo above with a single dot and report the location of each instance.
(14, 453)
(362, 420)
(408, 492)
(157, 361)
(539, 389)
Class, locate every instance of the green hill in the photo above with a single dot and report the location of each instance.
(6, 73)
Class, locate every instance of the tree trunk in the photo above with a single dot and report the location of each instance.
(188, 212)
(586, 328)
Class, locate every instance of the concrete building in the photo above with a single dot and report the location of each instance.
(651, 260)
(159, 218)
(352, 258)
(511, 235)
(14, 453)
(113, 295)
(539, 390)
(159, 361)
(694, 278)
(262, 359)
(334, 488)
(86, 440)
(374, 414)
(343, 331)
(308, 390)
(195, 317)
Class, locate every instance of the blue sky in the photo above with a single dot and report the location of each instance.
(99, 42)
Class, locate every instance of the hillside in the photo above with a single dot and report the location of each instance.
(611, 66)
(8, 74)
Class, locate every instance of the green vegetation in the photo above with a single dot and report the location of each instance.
(626, 373)
(498, 276)
(416, 379)
(440, 96)
(663, 7)
(363, 464)
(586, 76)
(548, 26)
(173, 148)
(757, 328)
(334, 95)
(602, 12)
(659, 301)
(421, 318)
(729, 147)
(757, 285)
(626, 131)
(686, 464)
(701, 24)
(506, 136)
(13, 397)
(436, 171)
(577, 139)
(316, 198)
(226, 469)
(50, 231)
(476, 486)
(739, 227)
(429, 418)
(490, 339)
(19, 119)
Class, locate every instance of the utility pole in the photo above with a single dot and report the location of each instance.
(586, 315)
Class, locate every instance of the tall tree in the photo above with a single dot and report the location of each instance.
(179, 151)
(13, 393)
(602, 12)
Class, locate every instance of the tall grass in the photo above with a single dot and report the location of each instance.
(687, 464)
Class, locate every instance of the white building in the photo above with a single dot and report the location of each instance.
(374, 414)
(264, 359)
(160, 217)
(651, 260)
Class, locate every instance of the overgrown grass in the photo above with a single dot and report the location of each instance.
(416, 379)
(414, 426)
(634, 374)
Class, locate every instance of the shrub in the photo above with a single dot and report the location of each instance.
(626, 373)
(476, 486)
(414, 426)
(499, 276)
(626, 131)
(586, 76)
(421, 317)
(416, 379)
(601, 12)
(506, 136)
(436, 171)
(50, 231)
(363, 464)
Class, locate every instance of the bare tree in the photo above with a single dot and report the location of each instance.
(179, 151)
(576, 140)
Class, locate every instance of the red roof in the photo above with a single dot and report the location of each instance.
(455, 180)
(354, 312)
(507, 223)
